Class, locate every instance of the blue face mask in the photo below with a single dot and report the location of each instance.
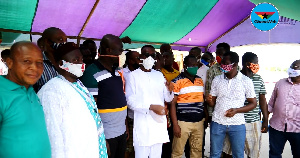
(204, 62)
(225, 71)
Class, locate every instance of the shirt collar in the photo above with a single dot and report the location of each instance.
(167, 72)
(291, 82)
(44, 56)
(10, 85)
(238, 76)
(126, 69)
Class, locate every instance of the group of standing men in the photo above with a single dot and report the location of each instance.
(148, 104)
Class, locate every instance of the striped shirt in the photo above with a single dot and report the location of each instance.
(285, 106)
(190, 98)
(108, 88)
(259, 88)
(48, 73)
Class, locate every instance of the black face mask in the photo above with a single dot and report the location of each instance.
(55, 45)
(136, 65)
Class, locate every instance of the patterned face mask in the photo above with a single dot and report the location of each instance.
(226, 68)
(75, 69)
(254, 67)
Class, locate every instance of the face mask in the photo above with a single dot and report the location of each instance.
(56, 45)
(75, 69)
(254, 67)
(293, 72)
(219, 59)
(192, 70)
(148, 63)
(226, 68)
(122, 58)
(204, 62)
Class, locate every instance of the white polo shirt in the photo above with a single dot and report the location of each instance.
(231, 93)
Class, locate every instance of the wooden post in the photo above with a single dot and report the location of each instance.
(86, 21)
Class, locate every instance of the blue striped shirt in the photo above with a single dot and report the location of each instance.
(48, 73)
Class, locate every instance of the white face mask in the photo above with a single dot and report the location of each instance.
(122, 58)
(293, 73)
(75, 69)
(148, 63)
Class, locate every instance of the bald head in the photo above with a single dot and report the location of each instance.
(25, 63)
(52, 37)
(165, 48)
(296, 65)
(48, 33)
(111, 45)
(22, 46)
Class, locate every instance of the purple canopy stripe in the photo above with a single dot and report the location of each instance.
(223, 16)
(287, 31)
(68, 15)
(112, 17)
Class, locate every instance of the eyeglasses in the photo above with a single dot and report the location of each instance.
(152, 55)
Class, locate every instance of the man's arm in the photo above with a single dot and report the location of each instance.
(211, 100)
(212, 96)
(251, 98)
(176, 128)
(251, 105)
(272, 99)
(132, 97)
(264, 110)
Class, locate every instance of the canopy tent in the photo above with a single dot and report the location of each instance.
(181, 23)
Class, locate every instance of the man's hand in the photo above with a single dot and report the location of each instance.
(126, 39)
(127, 130)
(208, 98)
(170, 86)
(264, 127)
(158, 109)
(231, 112)
(177, 130)
(108, 149)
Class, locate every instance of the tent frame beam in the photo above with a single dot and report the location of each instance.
(87, 21)
(95, 39)
(211, 43)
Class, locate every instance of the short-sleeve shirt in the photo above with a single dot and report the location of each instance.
(231, 93)
(111, 100)
(190, 98)
(23, 131)
(259, 88)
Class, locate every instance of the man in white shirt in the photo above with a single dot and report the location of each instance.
(132, 62)
(146, 91)
(228, 93)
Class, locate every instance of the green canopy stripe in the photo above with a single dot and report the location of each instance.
(17, 15)
(167, 21)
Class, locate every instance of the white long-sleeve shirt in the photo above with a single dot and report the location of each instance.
(142, 90)
(71, 128)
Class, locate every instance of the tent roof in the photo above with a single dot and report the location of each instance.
(181, 23)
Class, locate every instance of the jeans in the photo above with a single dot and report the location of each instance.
(277, 140)
(237, 136)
